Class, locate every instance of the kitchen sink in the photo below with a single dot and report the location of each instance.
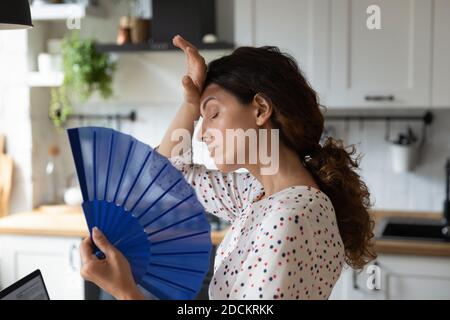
(411, 229)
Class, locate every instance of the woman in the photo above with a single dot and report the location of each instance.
(291, 230)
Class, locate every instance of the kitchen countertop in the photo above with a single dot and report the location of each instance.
(69, 222)
(409, 247)
(61, 221)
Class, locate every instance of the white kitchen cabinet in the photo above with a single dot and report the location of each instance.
(298, 27)
(348, 64)
(441, 54)
(56, 257)
(401, 278)
(387, 67)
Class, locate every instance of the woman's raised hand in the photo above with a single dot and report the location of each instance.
(195, 76)
(193, 83)
(112, 274)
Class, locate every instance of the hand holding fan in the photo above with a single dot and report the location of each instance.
(145, 208)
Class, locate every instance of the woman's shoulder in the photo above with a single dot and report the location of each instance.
(298, 201)
(299, 194)
(302, 210)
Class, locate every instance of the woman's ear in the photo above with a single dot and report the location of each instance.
(263, 109)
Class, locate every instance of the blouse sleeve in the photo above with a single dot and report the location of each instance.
(223, 195)
(277, 255)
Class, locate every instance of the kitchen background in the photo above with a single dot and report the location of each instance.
(391, 74)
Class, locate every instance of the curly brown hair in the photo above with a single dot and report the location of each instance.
(334, 169)
(297, 115)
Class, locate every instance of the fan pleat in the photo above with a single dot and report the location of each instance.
(159, 198)
(180, 261)
(148, 187)
(179, 253)
(123, 170)
(184, 269)
(137, 178)
(179, 238)
(125, 240)
(169, 281)
(173, 224)
(168, 210)
(162, 288)
(94, 167)
(109, 166)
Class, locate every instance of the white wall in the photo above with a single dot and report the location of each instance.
(421, 189)
(15, 114)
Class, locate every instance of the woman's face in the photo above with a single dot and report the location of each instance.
(222, 115)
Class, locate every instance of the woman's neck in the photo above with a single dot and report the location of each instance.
(291, 172)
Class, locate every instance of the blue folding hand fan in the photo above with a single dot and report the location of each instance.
(145, 208)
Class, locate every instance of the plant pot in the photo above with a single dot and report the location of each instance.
(124, 34)
(404, 157)
(140, 30)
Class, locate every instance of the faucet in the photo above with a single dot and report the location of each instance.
(446, 213)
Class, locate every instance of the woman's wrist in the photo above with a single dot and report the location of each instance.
(131, 294)
(192, 107)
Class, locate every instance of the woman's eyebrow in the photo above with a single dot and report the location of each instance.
(203, 104)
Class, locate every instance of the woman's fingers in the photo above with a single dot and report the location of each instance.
(188, 84)
(189, 49)
(191, 92)
(87, 259)
(196, 67)
(194, 54)
(86, 250)
(180, 42)
(196, 59)
(101, 242)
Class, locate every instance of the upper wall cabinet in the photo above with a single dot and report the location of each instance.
(298, 27)
(441, 54)
(403, 64)
(383, 67)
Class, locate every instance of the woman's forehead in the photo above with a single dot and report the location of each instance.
(211, 90)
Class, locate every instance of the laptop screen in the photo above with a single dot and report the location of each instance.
(31, 287)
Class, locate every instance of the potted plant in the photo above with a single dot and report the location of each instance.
(86, 71)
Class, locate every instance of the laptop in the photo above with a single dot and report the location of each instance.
(31, 287)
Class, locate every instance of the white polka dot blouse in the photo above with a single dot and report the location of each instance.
(286, 246)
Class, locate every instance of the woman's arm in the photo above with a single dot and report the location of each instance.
(190, 109)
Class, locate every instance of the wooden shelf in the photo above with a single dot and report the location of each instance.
(51, 12)
(136, 48)
(39, 79)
